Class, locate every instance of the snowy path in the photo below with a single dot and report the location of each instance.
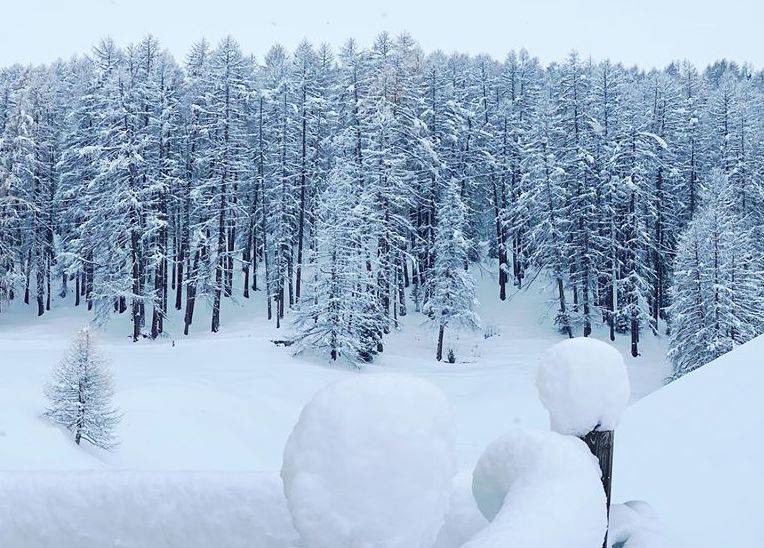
(228, 401)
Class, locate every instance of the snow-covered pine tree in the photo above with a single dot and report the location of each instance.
(192, 236)
(718, 301)
(574, 147)
(80, 394)
(17, 175)
(280, 176)
(546, 204)
(389, 144)
(217, 205)
(451, 291)
(338, 313)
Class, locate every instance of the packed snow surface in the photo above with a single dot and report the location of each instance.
(143, 510)
(584, 384)
(539, 489)
(370, 463)
(694, 451)
(634, 524)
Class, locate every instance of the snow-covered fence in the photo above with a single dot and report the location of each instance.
(584, 385)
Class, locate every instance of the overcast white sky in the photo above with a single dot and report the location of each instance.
(644, 32)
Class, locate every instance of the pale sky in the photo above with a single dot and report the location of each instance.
(643, 32)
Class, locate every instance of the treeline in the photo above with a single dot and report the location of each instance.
(352, 185)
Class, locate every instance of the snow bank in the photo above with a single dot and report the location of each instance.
(694, 450)
(369, 464)
(634, 524)
(463, 519)
(140, 510)
(539, 489)
(584, 385)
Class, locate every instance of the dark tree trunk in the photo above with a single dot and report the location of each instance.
(439, 353)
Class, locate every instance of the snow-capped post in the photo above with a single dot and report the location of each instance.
(584, 385)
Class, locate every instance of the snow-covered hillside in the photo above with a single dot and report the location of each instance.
(695, 450)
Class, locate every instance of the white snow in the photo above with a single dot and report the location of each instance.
(539, 489)
(694, 451)
(463, 519)
(227, 402)
(370, 463)
(634, 524)
(142, 510)
(584, 385)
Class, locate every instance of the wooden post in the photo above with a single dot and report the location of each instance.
(600, 443)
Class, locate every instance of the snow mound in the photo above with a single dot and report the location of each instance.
(370, 464)
(584, 385)
(694, 449)
(143, 509)
(539, 489)
(463, 519)
(634, 524)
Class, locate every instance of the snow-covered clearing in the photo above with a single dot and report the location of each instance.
(228, 401)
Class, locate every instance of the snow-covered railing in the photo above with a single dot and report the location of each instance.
(100, 509)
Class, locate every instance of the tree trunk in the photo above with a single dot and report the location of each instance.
(439, 353)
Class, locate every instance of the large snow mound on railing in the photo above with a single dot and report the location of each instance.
(539, 489)
(370, 463)
(142, 510)
(584, 384)
(695, 451)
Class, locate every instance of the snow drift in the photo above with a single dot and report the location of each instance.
(694, 450)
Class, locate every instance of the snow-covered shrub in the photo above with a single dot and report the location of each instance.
(491, 330)
(539, 489)
(584, 385)
(370, 463)
(80, 394)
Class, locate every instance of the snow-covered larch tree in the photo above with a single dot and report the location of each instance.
(340, 313)
(451, 287)
(717, 294)
(80, 394)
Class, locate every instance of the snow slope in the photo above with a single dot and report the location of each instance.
(694, 450)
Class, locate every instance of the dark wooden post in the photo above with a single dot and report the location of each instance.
(600, 443)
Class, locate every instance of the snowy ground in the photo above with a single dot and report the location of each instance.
(228, 401)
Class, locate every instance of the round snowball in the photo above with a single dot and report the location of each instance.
(370, 464)
(584, 385)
